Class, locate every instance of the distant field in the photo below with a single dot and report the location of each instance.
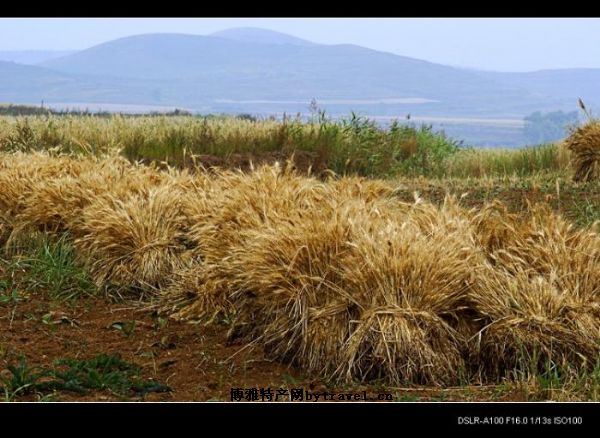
(499, 122)
(347, 146)
(473, 131)
(110, 107)
(384, 101)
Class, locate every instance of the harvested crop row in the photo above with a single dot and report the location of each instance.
(584, 144)
(336, 277)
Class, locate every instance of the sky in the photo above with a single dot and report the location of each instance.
(487, 44)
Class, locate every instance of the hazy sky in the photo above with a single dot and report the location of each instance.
(491, 44)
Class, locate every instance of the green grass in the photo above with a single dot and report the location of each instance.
(586, 213)
(47, 265)
(530, 161)
(52, 267)
(100, 373)
(22, 380)
(353, 145)
(9, 293)
(535, 380)
(103, 372)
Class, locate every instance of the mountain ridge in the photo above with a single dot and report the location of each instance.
(32, 57)
(229, 71)
(260, 35)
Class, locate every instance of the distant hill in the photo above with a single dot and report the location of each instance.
(260, 36)
(165, 56)
(31, 84)
(562, 84)
(193, 70)
(32, 57)
(20, 83)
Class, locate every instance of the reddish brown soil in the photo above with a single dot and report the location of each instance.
(189, 358)
(194, 360)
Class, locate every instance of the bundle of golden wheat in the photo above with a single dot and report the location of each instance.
(19, 175)
(584, 144)
(539, 294)
(136, 242)
(529, 324)
(223, 211)
(413, 291)
(285, 287)
(350, 292)
(544, 244)
(494, 227)
(357, 187)
(55, 204)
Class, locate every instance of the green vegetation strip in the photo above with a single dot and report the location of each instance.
(101, 373)
(46, 264)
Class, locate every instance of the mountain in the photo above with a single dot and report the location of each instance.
(31, 84)
(20, 83)
(264, 72)
(194, 70)
(165, 56)
(563, 83)
(260, 36)
(32, 57)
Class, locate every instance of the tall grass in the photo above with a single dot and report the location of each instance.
(354, 145)
(44, 263)
(50, 266)
(480, 163)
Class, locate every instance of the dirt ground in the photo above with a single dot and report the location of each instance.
(195, 361)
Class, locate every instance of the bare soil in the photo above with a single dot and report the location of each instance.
(195, 361)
